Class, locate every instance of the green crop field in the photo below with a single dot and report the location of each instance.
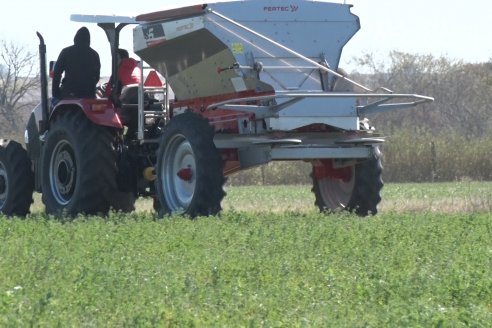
(269, 260)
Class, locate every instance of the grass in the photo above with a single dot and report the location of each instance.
(279, 264)
(449, 197)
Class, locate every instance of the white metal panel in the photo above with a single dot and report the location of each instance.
(317, 153)
(322, 107)
(145, 35)
(290, 123)
(308, 27)
(103, 19)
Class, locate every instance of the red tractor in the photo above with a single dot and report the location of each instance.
(243, 97)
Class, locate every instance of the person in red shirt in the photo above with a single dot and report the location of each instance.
(128, 69)
(129, 75)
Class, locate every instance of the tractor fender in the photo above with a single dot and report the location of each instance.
(99, 111)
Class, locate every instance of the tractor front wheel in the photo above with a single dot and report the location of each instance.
(190, 175)
(16, 179)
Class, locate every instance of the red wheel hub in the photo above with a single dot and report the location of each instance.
(324, 169)
(185, 174)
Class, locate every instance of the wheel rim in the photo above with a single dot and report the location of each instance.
(4, 185)
(62, 173)
(178, 173)
(336, 193)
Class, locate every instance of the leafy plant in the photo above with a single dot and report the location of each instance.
(256, 268)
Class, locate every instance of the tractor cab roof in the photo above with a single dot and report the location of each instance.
(103, 19)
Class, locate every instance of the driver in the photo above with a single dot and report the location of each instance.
(129, 74)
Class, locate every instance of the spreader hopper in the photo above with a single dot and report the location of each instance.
(245, 49)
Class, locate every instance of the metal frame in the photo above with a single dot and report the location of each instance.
(292, 97)
(142, 113)
(379, 105)
(257, 148)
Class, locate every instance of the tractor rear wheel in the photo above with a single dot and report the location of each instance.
(190, 175)
(16, 179)
(355, 188)
(79, 166)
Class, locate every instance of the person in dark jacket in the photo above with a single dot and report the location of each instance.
(82, 68)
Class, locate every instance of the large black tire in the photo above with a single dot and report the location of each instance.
(79, 166)
(16, 179)
(360, 194)
(190, 174)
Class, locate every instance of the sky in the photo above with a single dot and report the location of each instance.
(457, 29)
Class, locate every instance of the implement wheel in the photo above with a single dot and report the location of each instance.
(16, 179)
(190, 175)
(354, 188)
(79, 166)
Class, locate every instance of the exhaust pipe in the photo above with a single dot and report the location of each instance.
(43, 124)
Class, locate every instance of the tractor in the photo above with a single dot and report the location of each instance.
(252, 82)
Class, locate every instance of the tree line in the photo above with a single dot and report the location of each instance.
(462, 92)
(449, 139)
(445, 140)
(19, 87)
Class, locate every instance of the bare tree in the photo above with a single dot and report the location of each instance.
(462, 92)
(19, 79)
